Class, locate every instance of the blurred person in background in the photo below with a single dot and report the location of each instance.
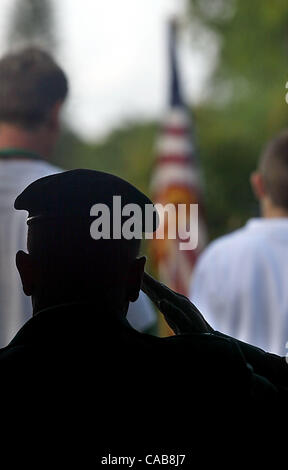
(33, 89)
(240, 281)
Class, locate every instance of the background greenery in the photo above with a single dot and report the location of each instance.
(243, 107)
(244, 102)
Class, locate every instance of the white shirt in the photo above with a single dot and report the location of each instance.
(241, 284)
(141, 315)
(15, 307)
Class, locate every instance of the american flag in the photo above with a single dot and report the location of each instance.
(176, 180)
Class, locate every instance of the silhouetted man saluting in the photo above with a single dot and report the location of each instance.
(85, 369)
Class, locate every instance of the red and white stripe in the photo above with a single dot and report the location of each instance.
(176, 171)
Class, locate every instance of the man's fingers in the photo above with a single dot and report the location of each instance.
(170, 310)
(185, 322)
(171, 314)
(175, 307)
(156, 290)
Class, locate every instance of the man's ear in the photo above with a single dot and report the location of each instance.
(257, 183)
(24, 266)
(135, 278)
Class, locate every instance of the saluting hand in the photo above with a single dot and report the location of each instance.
(181, 314)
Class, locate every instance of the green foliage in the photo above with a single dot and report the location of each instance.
(226, 164)
(128, 152)
(244, 107)
(245, 103)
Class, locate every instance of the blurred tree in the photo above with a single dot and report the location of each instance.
(32, 23)
(244, 102)
(127, 152)
(245, 98)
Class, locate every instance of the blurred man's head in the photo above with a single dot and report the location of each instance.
(32, 90)
(64, 263)
(270, 181)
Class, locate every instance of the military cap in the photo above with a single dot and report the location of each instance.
(71, 194)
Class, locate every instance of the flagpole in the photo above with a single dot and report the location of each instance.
(175, 181)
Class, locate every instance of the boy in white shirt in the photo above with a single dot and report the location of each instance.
(240, 281)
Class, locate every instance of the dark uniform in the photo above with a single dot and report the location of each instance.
(102, 386)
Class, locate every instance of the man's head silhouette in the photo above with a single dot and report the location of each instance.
(64, 263)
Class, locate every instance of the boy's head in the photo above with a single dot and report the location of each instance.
(270, 181)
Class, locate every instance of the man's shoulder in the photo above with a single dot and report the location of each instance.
(10, 354)
(41, 168)
(238, 236)
(232, 245)
(199, 349)
(16, 175)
